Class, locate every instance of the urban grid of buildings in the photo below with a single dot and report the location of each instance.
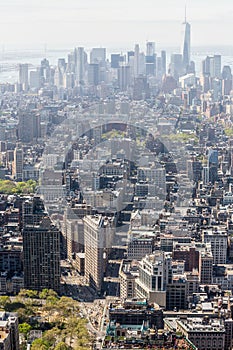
(133, 160)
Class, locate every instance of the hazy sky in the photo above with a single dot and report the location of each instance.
(113, 23)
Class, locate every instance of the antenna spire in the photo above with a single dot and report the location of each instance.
(185, 13)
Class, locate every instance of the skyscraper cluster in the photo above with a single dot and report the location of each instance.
(130, 155)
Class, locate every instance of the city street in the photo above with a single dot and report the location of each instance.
(96, 315)
(73, 284)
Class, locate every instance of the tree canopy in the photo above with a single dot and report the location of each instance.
(24, 328)
(11, 187)
(58, 317)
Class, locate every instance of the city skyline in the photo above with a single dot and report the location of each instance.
(101, 23)
(116, 174)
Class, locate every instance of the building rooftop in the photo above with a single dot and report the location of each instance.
(199, 325)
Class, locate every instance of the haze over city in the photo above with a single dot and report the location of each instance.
(119, 24)
(116, 175)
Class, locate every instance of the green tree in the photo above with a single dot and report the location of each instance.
(11, 187)
(14, 306)
(52, 335)
(45, 293)
(25, 187)
(113, 134)
(61, 346)
(229, 132)
(67, 307)
(7, 186)
(70, 328)
(183, 137)
(28, 293)
(32, 184)
(22, 316)
(40, 344)
(4, 300)
(75, 330)
(24, 328)
(50, 306)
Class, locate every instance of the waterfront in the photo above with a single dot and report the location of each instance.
(10, 59)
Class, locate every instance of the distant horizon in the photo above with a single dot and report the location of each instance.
(63, 22)
(119, 46)
(63, 47)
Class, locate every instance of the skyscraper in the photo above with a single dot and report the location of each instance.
(116, 58)
(23, 76)
(150, 48)
(98, 55)
(80, 63)
(227, 80)
(163, 62)
(216, 66)
(186, 44)
(176, 65)
(45, 72)
(213, 165)
(93, 74)
(33, 211)
(123, 75)
(150, 58)
(17, 166)
(152, 278)
(98, 238)
(28, 125)
(41, 250)
(136, 60)
(35, 79)
(212, 66)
